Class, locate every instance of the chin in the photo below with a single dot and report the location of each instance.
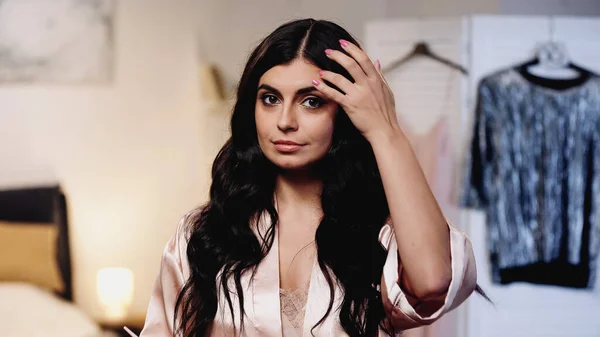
(291, 162)
(291, 165)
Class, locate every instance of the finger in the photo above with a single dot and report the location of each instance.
(387, 89)
(348, 63)
(379, 72)
(338, 80)
(329, 92)
(361, 58)
(377, 65)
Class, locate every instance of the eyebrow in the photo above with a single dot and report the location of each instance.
(300, 91)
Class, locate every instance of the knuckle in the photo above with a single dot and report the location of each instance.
(354, 66)
(346, 63)
(363, 58)
(338, 78)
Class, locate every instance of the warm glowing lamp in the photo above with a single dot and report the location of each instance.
(115, 291)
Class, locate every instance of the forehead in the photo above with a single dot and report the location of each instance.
(297, 74)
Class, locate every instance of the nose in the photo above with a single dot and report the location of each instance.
(287, 119)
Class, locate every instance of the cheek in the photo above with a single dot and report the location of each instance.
(323, 132)
(327, 134)
(261, 123)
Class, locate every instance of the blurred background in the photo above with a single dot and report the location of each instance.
(111, 113)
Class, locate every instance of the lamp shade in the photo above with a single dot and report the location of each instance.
(115, 291)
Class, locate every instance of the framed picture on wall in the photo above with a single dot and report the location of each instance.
(58, 41)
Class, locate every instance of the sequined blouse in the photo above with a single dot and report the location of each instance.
(534, 167)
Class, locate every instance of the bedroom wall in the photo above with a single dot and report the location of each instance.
(131, 156)
(551, 7)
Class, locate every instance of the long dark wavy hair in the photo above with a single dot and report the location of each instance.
(222, 245)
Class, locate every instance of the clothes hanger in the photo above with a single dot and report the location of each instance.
(552, 62)
(421, 48)
(553, 71)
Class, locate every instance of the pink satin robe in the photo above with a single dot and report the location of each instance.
(261, 297)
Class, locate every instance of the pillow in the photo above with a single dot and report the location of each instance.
(26, 311)
(28, 254)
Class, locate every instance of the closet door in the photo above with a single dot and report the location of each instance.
(426, 92)
(523, 309)
(582, 38)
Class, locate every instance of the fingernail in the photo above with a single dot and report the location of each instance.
(344, 43)
(315, 82)
(321, 72)
(378, 64)
(328, 51)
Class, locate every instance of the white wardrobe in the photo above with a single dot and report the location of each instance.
(426, 91)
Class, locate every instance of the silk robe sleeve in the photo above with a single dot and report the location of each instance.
(401, 314)
(171, 278)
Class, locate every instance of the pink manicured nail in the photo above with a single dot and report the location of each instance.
(378, 64)
(328, 51)
(321, 72)
(316, 83)
(344, 43)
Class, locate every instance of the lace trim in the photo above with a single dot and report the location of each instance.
(293, 305)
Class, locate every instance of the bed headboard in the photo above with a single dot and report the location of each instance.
(45, 205)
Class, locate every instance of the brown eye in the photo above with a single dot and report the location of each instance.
(313, 102)
(269, 99)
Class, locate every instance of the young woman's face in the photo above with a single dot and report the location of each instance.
(294, 122)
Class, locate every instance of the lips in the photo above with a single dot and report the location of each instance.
(287, 146)
(285, 142)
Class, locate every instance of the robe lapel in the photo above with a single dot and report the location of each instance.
(317, 303)
(265, 289)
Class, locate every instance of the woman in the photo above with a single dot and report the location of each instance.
(320, 221)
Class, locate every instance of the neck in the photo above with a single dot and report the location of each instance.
(301, 191)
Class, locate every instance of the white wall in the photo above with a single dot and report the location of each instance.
(428, 8)
(230, 29)
(130, 156)
(550, 7)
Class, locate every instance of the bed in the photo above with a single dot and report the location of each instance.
(36, 288)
